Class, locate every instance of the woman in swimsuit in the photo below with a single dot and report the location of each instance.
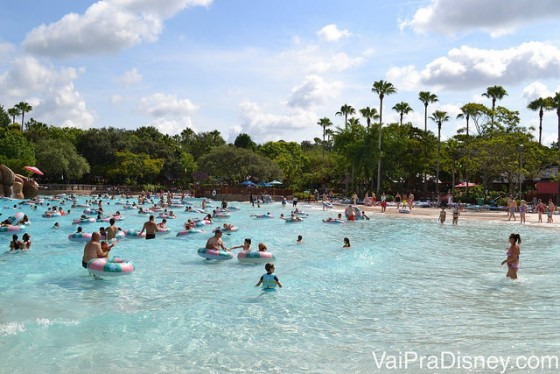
(513, 254)
(522, 211)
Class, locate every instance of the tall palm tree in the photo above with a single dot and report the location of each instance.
(369, 114)
(426, 97)
(324, 123)
(494, 93)
(468, 110)
(24, 108)
(14, 112)
(402, 108)
(381, 88)
(346, 110)
(541, 104)
(555, 104)
(439, 117)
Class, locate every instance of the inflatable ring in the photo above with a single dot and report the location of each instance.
(256, 257)
(134, 234)
(188, 232)
(166, 230)
(79, 221)
(16, 218)
(112, 267)
(80, 237)
(214, 254)
(12, 228)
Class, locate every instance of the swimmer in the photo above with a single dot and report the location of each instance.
(269, 280)
(56, 225)
(442, 215)
(346, 243)
(513, 253)
(106, 248)
(299, 239)
(215, 242)
(246, 245)
(262, 247)
(455, 215)
(26, 241)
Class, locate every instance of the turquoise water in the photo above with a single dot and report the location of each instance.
(405, 285)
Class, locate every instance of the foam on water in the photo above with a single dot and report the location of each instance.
(405, 284)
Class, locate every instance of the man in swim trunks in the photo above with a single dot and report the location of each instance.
(92, 249)
(215, 242)
(150, 227)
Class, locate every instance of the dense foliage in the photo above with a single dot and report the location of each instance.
(375, 156)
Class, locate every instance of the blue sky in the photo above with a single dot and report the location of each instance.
(271, 68)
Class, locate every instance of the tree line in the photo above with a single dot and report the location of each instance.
(363, 154)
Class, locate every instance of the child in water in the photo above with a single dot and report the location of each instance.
(346, 243)
(269, 280)
(299, 239)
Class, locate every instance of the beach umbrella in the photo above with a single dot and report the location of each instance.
(275, 182)
(248, 183)
(34, 170)
(463, 185)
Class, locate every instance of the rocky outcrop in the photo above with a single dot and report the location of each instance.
(16, 185)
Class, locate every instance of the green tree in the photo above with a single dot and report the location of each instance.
(23, 108)
(369, 114)
(494, 93)
(439, 117)
(402, 108)
(289, 157)
(58, 158)
(325, 123)
(381, 88)
(427, 98)
(346, 110)
(541, 104)
(233, 164)
(244, 140)
(16, 151)
(14, 112)
(134, 168)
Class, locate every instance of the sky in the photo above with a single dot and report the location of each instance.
(272, 68)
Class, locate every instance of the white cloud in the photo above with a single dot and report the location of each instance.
(130, 77)
(171, 114)
(266, 126)
(116, 99)
(496, 17)
(313, 91)
(107, 26)
(314, 60)
(468, 67)
(50, 92)
(331, 33)
(535, 90)
(163, 105)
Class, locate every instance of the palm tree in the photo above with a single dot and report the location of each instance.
(381, 88)
(24, 108)
(324, 123)
(345, 111)
(541, 104)
(402, 108)
(369, 114)
(555, 104)
(495, 93)
(439, 117)
(468, 110)
(426, 98)
(14, 112)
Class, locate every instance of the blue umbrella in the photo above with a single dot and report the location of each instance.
(248, 183)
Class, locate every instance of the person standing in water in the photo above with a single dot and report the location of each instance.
(513, 253)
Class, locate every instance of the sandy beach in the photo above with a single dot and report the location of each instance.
(469, 215)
